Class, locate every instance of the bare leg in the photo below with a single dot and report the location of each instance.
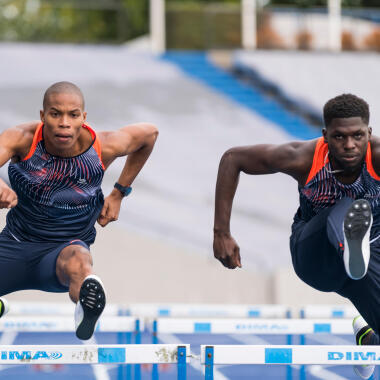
(74, 264)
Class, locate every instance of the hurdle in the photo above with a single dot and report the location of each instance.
(328, 311)
(124, 326)
(213, 310)
(288, 355)
(286, 327)
(98, 354)
(51, 308)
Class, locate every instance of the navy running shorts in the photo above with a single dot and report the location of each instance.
(29, 265)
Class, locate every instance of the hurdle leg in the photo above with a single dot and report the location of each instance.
(137, 368)
(181, 363)
(155, 341)
(121, 367)
(128, 367)
(289, 369)
(209, 370)
(303, 368)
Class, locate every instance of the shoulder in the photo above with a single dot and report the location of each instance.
(297, 158)
(375, 150)
(19, 138)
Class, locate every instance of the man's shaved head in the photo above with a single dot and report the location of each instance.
(62, 87)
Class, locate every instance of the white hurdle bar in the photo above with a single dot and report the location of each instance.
(270, 354)
(328, 311)
(252, 326)
(51, 308)
(67, 324)
(202, 310)
(93, 354)
(98, 354)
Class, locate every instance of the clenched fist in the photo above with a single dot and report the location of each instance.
(8, 198)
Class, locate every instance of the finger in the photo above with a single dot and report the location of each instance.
(14, 202)
(230, 263)
(237, 257)
(104, 211)
(101, 220)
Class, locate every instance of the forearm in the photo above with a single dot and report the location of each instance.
(134, 163)
(226, 184)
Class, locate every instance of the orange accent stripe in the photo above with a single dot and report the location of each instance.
(320, 152)
(36, 139)
(368, 161)
(96, 145)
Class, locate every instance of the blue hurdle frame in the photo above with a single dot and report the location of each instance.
(124, 371)
(181, 365)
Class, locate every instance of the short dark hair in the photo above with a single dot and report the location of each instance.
(62, 87)
(344, 106)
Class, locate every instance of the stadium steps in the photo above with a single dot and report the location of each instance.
(198, 66)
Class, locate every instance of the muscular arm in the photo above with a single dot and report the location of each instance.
(15, 143)
(135, 141)
(294, 159)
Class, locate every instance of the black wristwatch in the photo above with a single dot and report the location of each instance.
(125, 190)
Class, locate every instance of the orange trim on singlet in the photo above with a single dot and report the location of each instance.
(36, 139)
(319, 157)
(96, 144)
(368, 161)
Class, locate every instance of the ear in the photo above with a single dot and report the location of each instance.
(369, 132)
(42, 116)
(84, 116)
(324, 134)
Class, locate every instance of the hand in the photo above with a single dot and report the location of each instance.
(226, 250)
(111, 208)
(8, 198)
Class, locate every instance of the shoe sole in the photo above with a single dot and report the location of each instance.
(93, 300)
(357, 227)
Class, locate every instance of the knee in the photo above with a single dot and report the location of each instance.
(74, 259)
(79, 257)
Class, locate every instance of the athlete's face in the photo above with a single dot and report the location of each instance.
(347, 140)
(63, 119)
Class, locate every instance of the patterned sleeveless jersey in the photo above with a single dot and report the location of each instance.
(322, 189)
(59, 198)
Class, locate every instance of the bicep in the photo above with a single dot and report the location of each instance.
(126, 140)
(13, 142)
(268, 159)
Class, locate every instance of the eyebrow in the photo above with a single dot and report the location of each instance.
(55, 109)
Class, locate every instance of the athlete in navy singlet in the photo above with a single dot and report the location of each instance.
(335, 241)
(56, 171)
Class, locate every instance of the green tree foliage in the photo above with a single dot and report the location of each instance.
(73, 20)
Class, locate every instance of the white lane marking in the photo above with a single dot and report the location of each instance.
(100, 370)
(322, 373)
(171, 339)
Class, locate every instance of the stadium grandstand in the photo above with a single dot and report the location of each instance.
(250, 72)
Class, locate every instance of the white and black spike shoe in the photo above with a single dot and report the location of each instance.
(92, 300)
(4, 307)
(357, 227)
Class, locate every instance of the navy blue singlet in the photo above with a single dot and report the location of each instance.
(59, 198)
(323, 190)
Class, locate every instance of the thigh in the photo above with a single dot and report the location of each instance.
(45, 271)
(317, 249)
(14, 275)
